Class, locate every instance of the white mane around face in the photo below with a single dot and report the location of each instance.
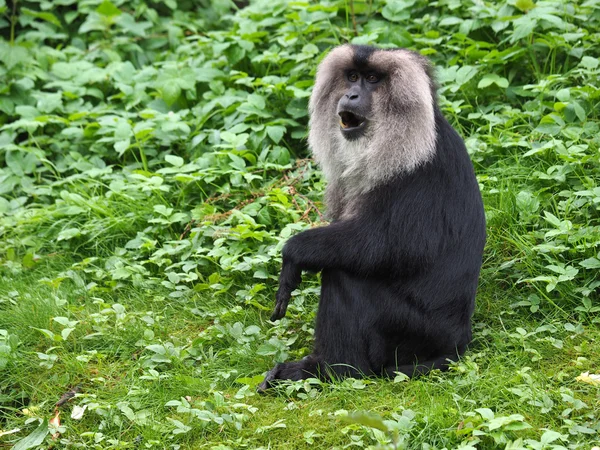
(400, 134)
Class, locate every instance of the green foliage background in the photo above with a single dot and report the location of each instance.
(154, 162)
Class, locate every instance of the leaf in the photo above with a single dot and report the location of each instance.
(28, 261)
(263, 217)
(276, 133)
(492, 78)
(236, 140)
(252, 329)
(485, 413)
(590, 263)
(181, 428)
(64, 70)
(170, 92)
(397, 10)
(553, 219)
(49, 334)
(121, 146)
(366, 419)
(36, 437)
(500, 422)
(78, 411)
(250, 381)
(465, 73)
(237, 162)
(579, 111)
(267, 349)
(524, 5)
(108, 9)
(588, 378)
(126, 410)
(55, 423)
(47, 16)
(66, 332)
(563, 95)
(297, 108)
(523, 27)
(589, 62)
(177, 161)
(280, 423)
(526, 202)
(447, 21)
(257, 101)
(68, 234)
(550, 436)
(14, 54)
(207, 74)
(401, 377)
(157, 348)
(128, 23)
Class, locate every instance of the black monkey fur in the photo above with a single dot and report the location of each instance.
(398, 277)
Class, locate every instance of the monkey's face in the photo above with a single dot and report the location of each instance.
(354, 106)
(371, 113)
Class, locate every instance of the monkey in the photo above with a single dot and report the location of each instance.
(401, 256)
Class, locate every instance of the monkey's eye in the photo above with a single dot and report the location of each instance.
(353, 76)
(372, 78)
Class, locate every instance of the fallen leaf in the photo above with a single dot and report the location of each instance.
(586, 377)
(78, 411)
(55, 422)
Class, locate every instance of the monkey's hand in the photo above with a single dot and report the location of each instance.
(289, 279)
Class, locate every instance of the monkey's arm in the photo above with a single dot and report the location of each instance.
(354, 245)
(289, 279)
(349, 245)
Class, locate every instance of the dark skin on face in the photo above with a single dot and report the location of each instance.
(354, 108)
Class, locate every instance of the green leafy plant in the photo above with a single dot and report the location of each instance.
(154, 162)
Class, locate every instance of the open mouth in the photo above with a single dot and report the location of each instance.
(350, 121)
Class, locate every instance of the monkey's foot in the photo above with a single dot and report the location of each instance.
(294, 371)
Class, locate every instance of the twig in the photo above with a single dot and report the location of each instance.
(13, 22)
(353, 17)
(68, 396)
(187, 229)
(284, 181)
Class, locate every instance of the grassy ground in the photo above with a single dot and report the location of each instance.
(154, 164)
(521, 366)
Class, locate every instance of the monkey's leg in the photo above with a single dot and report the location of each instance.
(339, 342)
(422, 367)
(295, 371)
(309, 367)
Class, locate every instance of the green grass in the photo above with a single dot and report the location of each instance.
(505, 371)
(154, 163)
